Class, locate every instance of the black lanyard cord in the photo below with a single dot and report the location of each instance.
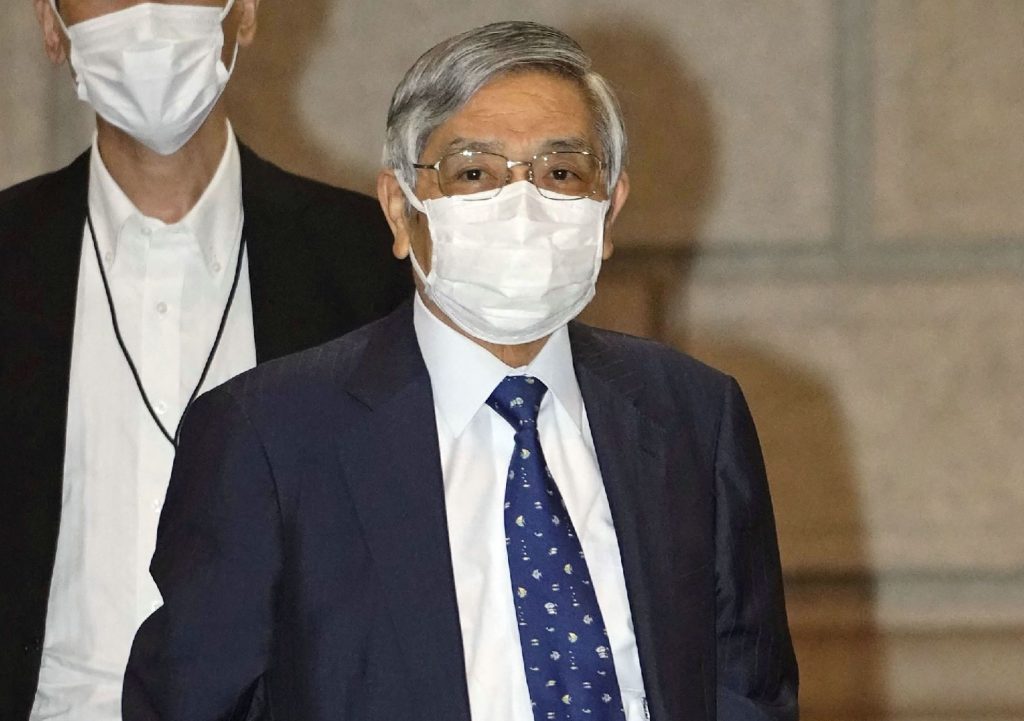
(173, 440)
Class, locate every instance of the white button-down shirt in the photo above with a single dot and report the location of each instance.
(170, 284)
(476, 445)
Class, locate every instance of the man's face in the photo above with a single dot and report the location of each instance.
(518, 116)
(239, 25)
(76, 11)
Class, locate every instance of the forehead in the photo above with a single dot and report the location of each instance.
(78, 10)
(519, 114)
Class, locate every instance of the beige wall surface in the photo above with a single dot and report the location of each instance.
(826, 204)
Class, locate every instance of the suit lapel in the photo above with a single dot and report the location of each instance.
(37, 318)
(393, 467)
(279, 281)
(292, 309)
(632, 442)
(40, 300)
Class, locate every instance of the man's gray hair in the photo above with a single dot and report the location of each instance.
(450, 73)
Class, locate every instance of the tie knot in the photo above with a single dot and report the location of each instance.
(517, 399)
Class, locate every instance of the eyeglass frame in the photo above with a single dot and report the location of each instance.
(509, 164)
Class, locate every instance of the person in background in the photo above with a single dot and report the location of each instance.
(476, 507)
(163, 261)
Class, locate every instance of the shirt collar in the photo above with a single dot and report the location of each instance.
(463, 374)
(214, 223)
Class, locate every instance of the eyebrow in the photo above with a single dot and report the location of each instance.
(482, 146)
(568, 144)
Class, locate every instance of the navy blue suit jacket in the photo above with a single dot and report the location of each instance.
(303, 550)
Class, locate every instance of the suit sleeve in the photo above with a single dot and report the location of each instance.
(757, 671)
(202, 655)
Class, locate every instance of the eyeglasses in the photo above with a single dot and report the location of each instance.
(559, 175)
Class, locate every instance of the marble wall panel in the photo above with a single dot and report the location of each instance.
(891, 414)
(43, 126)
(939, 653)
(23, 119)
(949, 120)
(874, 676)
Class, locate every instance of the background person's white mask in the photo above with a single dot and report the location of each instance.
(153, 70)
(513, 268)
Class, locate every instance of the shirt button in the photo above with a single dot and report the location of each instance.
(108, 257)
(147, 231)
(160, 407)
(161, 307)
(157, 505)
(154, 606)
(216, 267)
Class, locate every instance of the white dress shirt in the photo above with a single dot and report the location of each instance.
(476, 445)
(170, 284)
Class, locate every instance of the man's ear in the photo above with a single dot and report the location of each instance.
(53, 36)
(618, 198)
(248, 22)
(393, 203)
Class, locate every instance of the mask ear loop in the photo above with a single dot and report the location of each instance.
(409, 195)
(227, 10)
(223, 16)
(418, 205)
(80, 89)
(418, 270)
(234, 59)
(53, 6)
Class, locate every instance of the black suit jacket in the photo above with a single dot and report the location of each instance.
(304, 544)
(319, 266)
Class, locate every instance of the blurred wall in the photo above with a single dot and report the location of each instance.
(827, 204)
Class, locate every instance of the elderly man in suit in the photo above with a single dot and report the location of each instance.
(476, 507)
(161, 262)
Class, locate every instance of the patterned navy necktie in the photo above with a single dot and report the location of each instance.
(566, 651)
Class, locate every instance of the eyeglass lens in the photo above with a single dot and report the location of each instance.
(563, 173)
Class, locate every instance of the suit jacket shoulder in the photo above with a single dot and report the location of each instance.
(649, 356)
(36, 203)
(666, 385)
(284, 190)
(72, 172)
(300, 384)
(314, 246)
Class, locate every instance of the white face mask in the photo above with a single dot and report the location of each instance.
(153, 70)
(513, 268)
